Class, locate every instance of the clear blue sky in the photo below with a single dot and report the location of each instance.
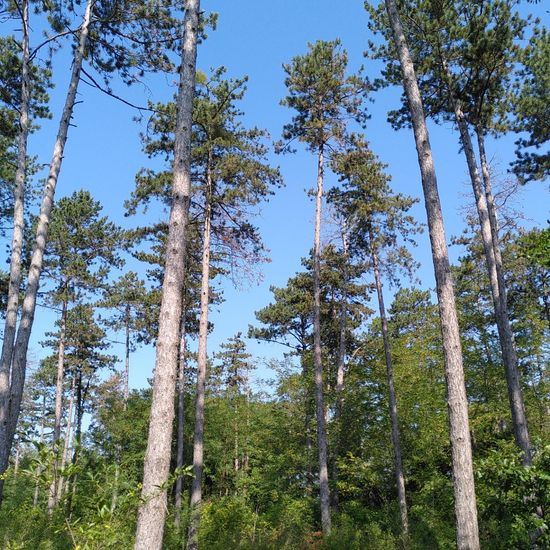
(255, 38)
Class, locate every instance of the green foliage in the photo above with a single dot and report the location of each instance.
(322, 95)
(511, 496)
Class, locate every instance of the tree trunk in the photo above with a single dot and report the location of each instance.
(317, 358)
(196, 487)
(67, 443)
(39, 467)
(127, 357)
(340, 372)
(181, 425)
(126, 393)
(152, 511)
(396, 440)
(7, 429)
(52, 496)
(509, 357)
(498, 286)
(463, 477)
(79, 413)
(18, 223)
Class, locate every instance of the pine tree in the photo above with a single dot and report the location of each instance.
(325, 99)
(152, 511)
(465, 502)
(377, 220)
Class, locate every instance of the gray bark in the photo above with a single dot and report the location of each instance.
(496, 279)
(396, 440)
(324, 492)
(39, 467)
(19, 360)
(152, 511)
(461, 449)
(498, 288)
(67, 443)
(52, 496)
(127, 357)
(340, 371)
(181, 425)
(18, 222)
(198, 439)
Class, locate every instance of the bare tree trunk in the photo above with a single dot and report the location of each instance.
(317, 358)
(67, 443)
(461, 449)
(7, 429)
(181, 424)
(126, 394)
(196, 487)
(340, 372)
(515, 396)
(396, 440)
(498, 287)
(16, 459)
(39, 467)
(52, 496)
(18, 224)
(127, 357)
(152, 511)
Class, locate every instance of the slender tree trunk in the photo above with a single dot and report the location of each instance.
(496, 279)
(308, 415)
(126, 394)
(16, 459)
(152, 511)
(317, 358)
(79, 413)
(396, 440)
(7, 429)
(340, 371)
(127, 357)
(39, 467)
(56, 438)
(506, 336)
(196, 487)
(181, 424)
(461, 449)
(67, 443)
(18, 224)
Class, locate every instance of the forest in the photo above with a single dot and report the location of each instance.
(276, 275)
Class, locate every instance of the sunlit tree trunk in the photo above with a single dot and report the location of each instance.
(198, 439)
(496, 279)
(152, 510)
(127, 357)
(487, 210)
(461, 449)
(340, 370)
(56, 437)
(18, 225)
(317, 357)
(181, 425)
(396, 440)
(39, 467)
(67, 443)
(19, 361)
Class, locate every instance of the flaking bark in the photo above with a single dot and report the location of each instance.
(152, 511)
(198, 439)
(461, 450)
(14, 283)
(317, 356)
(19, 359)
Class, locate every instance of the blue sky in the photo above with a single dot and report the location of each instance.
(255, 38)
